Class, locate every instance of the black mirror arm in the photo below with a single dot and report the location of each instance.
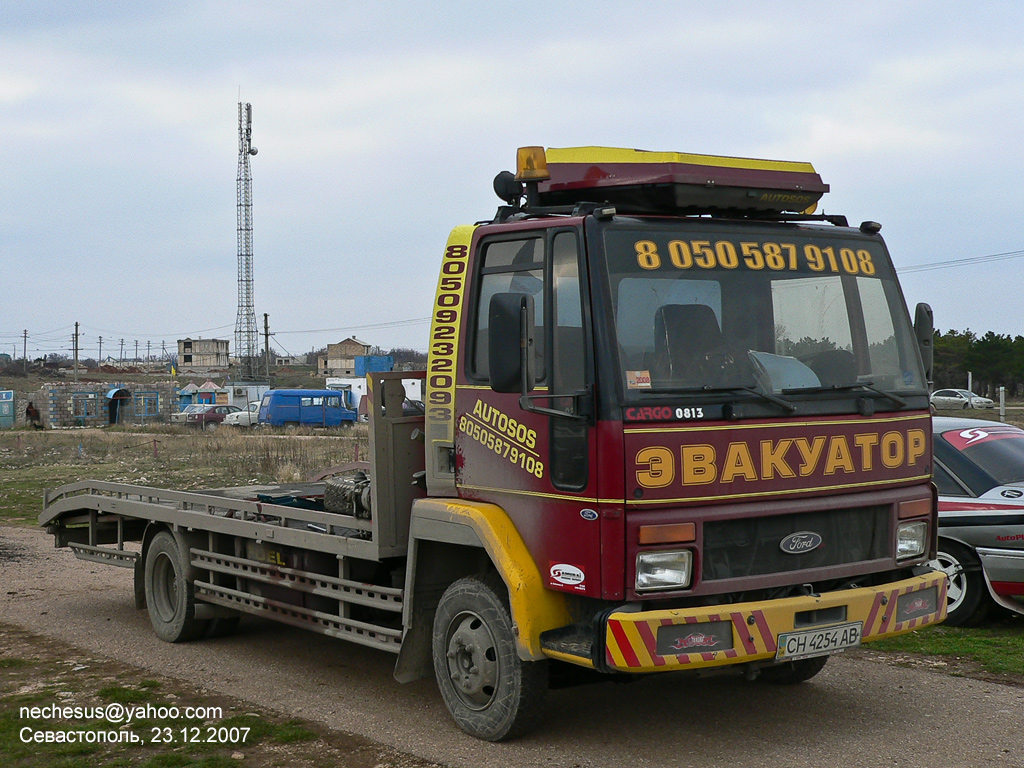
(583, 402)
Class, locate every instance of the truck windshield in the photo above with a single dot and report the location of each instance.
(725, 307)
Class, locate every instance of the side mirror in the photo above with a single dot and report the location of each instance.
(510, 342)
(924, 330)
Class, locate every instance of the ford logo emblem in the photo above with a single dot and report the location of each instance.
(800, 542)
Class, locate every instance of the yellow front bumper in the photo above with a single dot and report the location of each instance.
(632, 639)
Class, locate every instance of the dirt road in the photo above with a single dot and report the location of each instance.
(857, 713)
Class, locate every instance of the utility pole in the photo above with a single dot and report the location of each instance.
(76, 352)
(147, 351)
(266, 343)
(99, 354)
(121, 360)
(136, 351)
(24, 348)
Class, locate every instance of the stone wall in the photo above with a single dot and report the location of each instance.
(87, 405)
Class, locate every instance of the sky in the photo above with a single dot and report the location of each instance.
(380, 126)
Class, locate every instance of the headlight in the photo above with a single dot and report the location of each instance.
(663, 570)
(911, 539)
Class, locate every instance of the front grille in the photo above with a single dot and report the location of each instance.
(751, 547)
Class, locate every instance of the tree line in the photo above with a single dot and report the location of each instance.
(994, 360)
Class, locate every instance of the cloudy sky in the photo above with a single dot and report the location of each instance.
(381, 125)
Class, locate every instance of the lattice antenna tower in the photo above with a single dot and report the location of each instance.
(246, 334)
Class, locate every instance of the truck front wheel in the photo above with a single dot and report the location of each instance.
(170, 596)
(491, 693)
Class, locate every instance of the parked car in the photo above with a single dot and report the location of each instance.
(210, 417)
(182, 416)
(246, 418)
(949, 399)
(979, 471)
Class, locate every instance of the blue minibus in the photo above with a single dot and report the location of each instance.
(304, 407)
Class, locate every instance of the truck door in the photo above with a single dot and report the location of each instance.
(532, 456)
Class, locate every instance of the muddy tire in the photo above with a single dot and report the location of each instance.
(793, 672)
(490, 692)
(170, 595)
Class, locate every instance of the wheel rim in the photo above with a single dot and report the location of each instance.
(956, 590)
(472, 660)
(165, 587)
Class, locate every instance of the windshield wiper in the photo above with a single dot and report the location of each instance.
(859, 385)
(782, 403)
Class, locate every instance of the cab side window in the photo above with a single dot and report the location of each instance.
(509, 266)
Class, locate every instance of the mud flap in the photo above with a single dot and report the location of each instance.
(140, 584)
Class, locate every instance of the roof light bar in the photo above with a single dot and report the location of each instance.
(668, 182)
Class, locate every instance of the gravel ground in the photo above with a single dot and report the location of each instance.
(857, 713)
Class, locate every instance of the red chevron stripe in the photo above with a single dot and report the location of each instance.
(766, 633)
(652, 644)
(623, 642)
(743, 633)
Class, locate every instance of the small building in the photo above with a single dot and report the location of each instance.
(241, 393)
(94, 405)
(202, 354)
(7, 409)
(212, 394)
(373, 363)
(188, 395)
(340, 359)
(281, 361)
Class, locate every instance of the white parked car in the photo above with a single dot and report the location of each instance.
(246, 418)
(979, 471)
(958, 399)
(181, 417)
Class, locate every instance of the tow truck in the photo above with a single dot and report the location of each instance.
(676, 421)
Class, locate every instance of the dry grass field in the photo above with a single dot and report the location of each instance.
(161, 457)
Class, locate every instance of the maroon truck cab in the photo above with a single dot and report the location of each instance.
(702, 409)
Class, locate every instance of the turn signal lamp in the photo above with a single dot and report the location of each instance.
(531, 164)
(637, 181)
(667, 533)
(914, 508)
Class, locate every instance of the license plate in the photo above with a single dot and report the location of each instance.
(818, 642)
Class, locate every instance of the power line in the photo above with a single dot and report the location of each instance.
(180, 334)
(961, 262)
(375, 326)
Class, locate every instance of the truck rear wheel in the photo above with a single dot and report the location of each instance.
(170, 596)
(491, 693)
